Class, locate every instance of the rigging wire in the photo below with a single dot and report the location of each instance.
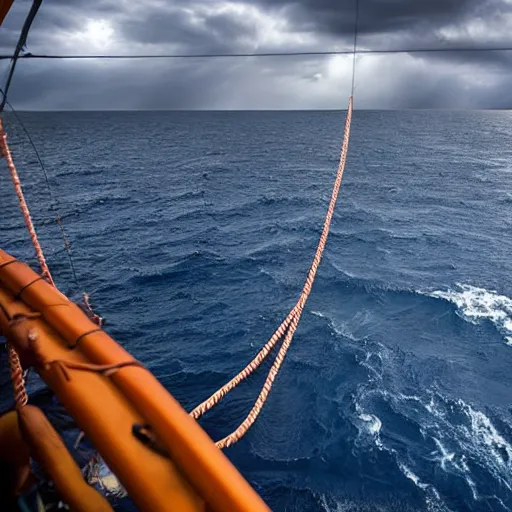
(459, 49)
(22, 41)
(54, 203)
(356, 30)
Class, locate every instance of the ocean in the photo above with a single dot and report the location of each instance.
(193, 232)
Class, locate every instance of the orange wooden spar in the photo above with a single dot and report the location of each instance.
(14, 456)
(108, 392)
(5, 6)
(48, 448)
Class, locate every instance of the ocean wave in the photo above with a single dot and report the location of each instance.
(183, 196)
(191, 263)
(433, 498)
(456, 438)
(357, 281)
(507, 198)
(352, 505)
(292, 203)
(481, 436)
(465, 438)
(478, 304)
(340, 329)
(368, 425)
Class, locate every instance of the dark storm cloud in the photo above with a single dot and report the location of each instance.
(413, 21)
(466, 79)
(171, 25)
(378, 16)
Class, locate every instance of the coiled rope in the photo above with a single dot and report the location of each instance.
(288, 326)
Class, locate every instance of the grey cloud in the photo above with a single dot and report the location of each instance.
(171, 25)
(183, 26)
(384, 16)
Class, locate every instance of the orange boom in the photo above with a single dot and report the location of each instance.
(109, 394)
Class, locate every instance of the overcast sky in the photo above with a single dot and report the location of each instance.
(444, 80)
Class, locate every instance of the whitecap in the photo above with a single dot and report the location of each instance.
(445, 455)
(432, 496)
(487, 436)
(411, 476)
(373, 423)
(476, 304)
(367, 364)
(480, 440)
(369, 426)
(349, 505)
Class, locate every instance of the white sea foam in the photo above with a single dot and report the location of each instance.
(445, 455)
(342, 329)
(348, 505)
(411, 476)
(433, 499)
(455, 462)
(483, 428)
(369, 426)
(477, 438)
(478, 304)
(462, 435)
(373, 423)
(488, 440)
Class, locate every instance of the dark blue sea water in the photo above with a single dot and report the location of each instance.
(194, 232)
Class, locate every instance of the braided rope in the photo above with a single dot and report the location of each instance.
(289, 324)
(18, 382)
(20, 393)
(23, 205)
(253, 365)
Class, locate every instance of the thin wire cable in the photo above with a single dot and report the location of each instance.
(54, 204)
(22, 41)
(6, 152)
(31, 56)
(356, 30)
